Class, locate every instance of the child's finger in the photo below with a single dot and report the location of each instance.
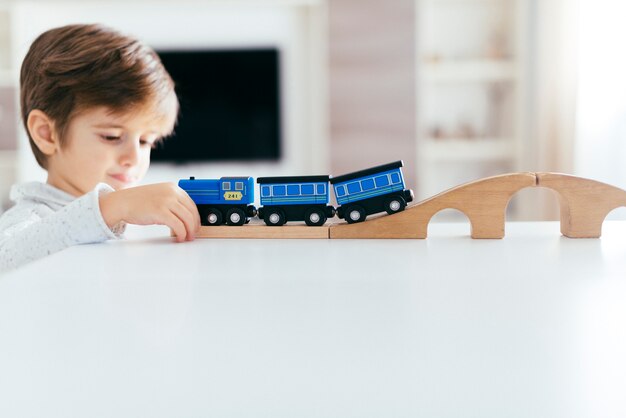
(176, 225)
(187, 218)
(191, 220)
(191, 206)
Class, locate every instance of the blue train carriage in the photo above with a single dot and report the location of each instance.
(371, 191)
(299, 198)
(227, 200)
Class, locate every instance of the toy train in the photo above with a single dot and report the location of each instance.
(230, 200)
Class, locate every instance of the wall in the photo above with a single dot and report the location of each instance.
(372, 84)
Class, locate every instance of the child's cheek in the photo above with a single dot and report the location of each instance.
(145, 164)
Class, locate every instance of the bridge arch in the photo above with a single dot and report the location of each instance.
(449, 215)
(584, 203)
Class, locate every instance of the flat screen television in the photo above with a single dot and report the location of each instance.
(229, 106)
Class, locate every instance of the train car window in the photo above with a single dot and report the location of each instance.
(382, 181)
(239, 185)
(354, 187)
(321, 189)
(226, 185)
(368, 184)
(395, 178)
(279, 190)
(293, 190)
(340, 191)
(307, 189)
(265, 191)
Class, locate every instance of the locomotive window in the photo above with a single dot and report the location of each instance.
(293, 190)
(321, 189)
(307, 189)
(265, 191)
(354, 187)
(279, 190)
(395, 178)
(341, 191)
(226, 185)
(382, 181)
(367, 184)
(239, 185)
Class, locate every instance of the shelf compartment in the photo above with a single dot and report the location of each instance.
(470, 149)
(469, 70)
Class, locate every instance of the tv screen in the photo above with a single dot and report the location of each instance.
(229, 106)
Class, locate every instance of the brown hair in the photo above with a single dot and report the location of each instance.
(77, 67)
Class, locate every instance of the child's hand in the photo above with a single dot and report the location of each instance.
(155, 204)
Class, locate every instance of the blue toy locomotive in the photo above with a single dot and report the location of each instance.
(227, 200)
(300, 198)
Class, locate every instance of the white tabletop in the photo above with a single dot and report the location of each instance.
(533, 325)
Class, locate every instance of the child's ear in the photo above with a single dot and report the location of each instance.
(41, 129)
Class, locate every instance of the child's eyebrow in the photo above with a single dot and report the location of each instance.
(108, 125)
(116, 126)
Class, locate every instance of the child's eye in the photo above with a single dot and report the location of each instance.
(151, 142)
(110, 137)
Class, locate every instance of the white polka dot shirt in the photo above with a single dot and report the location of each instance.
(45, 220)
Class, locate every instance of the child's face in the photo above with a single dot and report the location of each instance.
(108, 148)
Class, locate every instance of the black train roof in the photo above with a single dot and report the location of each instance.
(292, 179)
(367, 172)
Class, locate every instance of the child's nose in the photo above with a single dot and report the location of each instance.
(130, 153)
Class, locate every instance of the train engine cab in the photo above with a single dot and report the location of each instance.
(301, 198)
(371, 191)
(227, 200)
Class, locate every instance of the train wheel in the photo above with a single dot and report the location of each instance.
(235, 217)
(214, 217)
(274, 217)
(395, 204)
(355, 214)
(315, 217)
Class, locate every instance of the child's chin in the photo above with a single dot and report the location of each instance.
(129, 185)
(117, 186)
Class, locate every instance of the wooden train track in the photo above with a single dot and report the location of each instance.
(584, 205)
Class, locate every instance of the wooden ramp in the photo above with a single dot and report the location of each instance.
(483, 201)
(584, 205)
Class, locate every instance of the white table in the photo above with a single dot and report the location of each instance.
(533, 325)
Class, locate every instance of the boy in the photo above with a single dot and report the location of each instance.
(94, 103)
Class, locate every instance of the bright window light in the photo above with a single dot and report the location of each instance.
(601, 112)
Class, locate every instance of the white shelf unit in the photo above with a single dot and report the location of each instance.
(470, 90)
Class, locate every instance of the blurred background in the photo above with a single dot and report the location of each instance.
(458, 89)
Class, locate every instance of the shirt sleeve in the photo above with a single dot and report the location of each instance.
(33, 237)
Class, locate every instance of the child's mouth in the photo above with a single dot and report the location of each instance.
(123, 178)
